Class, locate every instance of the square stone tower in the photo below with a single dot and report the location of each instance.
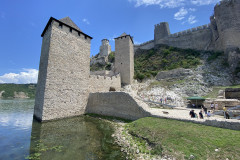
(124, 58)
(64, 70)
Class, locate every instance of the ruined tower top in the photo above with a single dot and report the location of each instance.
(105, 48)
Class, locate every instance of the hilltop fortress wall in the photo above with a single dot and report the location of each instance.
(222, 34)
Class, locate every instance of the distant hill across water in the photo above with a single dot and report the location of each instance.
(17, 90)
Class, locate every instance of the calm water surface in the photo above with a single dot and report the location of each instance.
(82, 137)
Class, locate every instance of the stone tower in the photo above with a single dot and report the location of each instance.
(124, 58)
(105, 48)
(161, 31)
(62, 89)
(227, 19)
(227, 31)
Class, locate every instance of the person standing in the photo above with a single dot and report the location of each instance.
(212, 106)
(205, 109)
(224, 111)
(216, 106)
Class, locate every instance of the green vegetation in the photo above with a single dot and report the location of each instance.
(150, 62)
(108, 66)
(216, 89)
(40, 148)
(213, 55)
(111, 57)
(9, 89)
(182, 139)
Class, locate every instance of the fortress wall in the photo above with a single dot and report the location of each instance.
(146, 45)
(227, 16)
(64, 73)
(103, 83)
(117, 104)
(198, 39)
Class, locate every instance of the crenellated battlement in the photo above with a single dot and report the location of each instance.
(192, 30)
(143, 44)
(104, 83)
(100, 77)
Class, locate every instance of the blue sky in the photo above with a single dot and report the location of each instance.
(22, 22)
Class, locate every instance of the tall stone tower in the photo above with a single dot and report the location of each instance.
(227, 19)
(227, 30)
(105, 48)
(124, 58)
(62, 89)
(161, 31)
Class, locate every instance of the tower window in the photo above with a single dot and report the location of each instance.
(70, 30)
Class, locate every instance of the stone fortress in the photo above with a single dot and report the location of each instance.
(64, 81)
(102, 57)
(66, 88)
(222, 34)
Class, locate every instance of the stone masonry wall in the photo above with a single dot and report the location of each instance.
(63, 85)
(103, 83)
(42, 74)
(199, 39)
(117, 104)
(227, 17)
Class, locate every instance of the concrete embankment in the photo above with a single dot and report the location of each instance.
(117, 104)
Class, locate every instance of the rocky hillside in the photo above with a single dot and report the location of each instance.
(205, 74)
(17, 90)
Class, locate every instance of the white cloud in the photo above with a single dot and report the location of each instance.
(192, 9)
(86, 21)
(192, 19)
(180, 15)
(161, 3)
(27, 76)
(204, 2)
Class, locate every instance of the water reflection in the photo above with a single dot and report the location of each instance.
(15, 128)
(74, 138)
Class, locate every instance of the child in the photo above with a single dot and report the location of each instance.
(200, 115)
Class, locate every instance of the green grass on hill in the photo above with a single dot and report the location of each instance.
(150, 62)
(9, 89)
(182, 139)
(216, 89)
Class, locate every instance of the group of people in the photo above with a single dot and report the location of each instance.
(213, 106)
(194, 115)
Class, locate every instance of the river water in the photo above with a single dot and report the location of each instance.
(82, 137)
